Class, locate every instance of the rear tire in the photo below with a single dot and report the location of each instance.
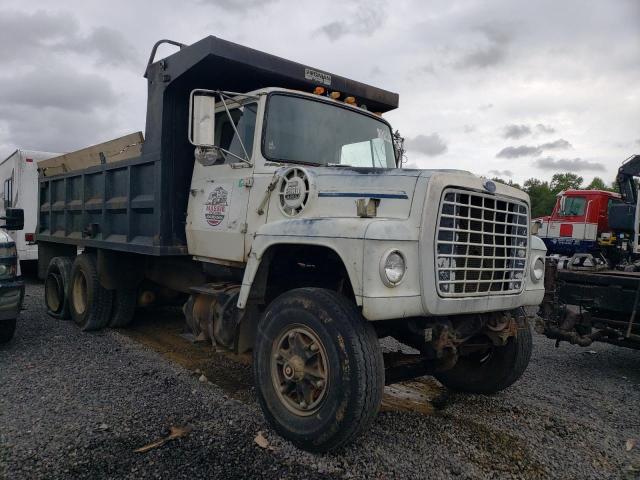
(7, 329)
(495, 371)
(89, 302)
(124, 307)
(56, 287)
(318, 369)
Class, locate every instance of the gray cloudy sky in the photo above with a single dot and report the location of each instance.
(517, 89)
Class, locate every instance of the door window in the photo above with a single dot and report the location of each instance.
(8, 192)
(244, 119)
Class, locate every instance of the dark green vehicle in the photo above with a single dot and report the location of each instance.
(11, 287)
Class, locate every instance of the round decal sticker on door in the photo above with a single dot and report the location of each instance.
(215, 208)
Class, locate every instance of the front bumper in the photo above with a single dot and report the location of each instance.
(11, 296)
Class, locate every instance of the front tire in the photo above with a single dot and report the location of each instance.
(318, 369)
(89, 302)
(7, 329)
(492, 371)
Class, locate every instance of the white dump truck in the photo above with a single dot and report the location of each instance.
(269, 194)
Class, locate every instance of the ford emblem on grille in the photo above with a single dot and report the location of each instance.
(489, 186)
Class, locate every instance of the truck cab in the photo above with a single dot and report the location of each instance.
(579, 222)
(285, 170)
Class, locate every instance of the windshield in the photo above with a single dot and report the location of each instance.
(310, 131)
(572, 206)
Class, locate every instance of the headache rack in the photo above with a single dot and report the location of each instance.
(482, 243)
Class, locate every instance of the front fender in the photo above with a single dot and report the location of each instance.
(345, 236)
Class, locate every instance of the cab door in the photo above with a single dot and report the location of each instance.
(219, 196)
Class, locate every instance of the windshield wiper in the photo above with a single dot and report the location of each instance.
(302, 162)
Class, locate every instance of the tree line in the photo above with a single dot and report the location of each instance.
(543, 194)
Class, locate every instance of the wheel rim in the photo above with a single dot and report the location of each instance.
(299, 370)
(80, 293)
(53, 292)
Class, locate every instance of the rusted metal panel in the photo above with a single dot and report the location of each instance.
(116, 150)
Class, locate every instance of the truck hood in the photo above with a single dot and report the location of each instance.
(335, 190)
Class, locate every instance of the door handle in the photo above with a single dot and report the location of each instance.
(195, 191)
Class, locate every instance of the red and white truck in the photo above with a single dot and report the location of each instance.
(579, 222)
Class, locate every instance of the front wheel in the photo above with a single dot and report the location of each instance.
(318, 369)
(492, 370)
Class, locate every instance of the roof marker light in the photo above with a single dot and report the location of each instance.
(319, 90)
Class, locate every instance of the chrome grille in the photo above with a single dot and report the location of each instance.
(481, 244)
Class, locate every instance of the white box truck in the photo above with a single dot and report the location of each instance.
(19, 180)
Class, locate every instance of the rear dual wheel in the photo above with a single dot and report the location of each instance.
(56, 287)
(90, 305)
(89, 302)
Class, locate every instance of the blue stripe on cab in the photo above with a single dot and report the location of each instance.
(402, 196)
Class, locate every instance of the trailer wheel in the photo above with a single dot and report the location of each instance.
(124, 307)
(7, 329)
(494, 370)
(318, 369)
(89, 302)
(56, 287)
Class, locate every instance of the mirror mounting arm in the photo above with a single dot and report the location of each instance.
(235, 130)
(202, 151)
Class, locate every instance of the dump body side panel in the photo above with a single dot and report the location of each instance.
(114, 206)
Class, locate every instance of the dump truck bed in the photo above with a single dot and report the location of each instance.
(139, 204)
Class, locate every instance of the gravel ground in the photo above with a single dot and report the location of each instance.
(77, 405)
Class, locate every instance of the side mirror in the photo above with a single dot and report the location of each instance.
(202, 116)
(14, 218)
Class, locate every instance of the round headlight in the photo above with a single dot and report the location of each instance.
(4, 269)
(537, 270)
(393, 268)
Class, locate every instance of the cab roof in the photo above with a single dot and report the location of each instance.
(572, 192)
